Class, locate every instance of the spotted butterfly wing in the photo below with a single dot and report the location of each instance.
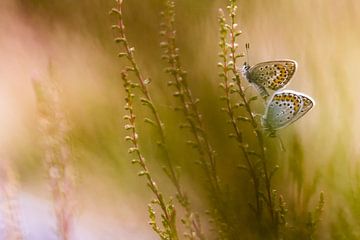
(273, 75)
(281, 110)
(308, 103)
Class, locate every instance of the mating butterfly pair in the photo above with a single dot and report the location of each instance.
(285, 106)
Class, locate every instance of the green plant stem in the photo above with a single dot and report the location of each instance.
(253, 122)
(258, 133)
(189, 104)
(141, 160)
(231, 114)
(144, 89)
(191, 111)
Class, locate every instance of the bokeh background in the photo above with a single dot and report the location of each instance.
(71, 41)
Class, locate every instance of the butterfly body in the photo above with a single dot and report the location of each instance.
(273, 75)
(284, 108)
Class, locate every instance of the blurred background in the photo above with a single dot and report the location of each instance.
(71, 41)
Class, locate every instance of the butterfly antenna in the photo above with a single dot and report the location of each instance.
(247, 47)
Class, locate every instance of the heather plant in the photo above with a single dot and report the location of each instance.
(239, 110)
(57, 156)
(205, 154)
(12, 228)
(168, 216)
(268, 206)
(188, 107)
(256, 162)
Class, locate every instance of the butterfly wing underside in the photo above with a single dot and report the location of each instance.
(282, 110)
(308, 103)
(273, 74)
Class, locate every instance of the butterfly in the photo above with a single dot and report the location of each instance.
(273, 75)
(284, 108)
